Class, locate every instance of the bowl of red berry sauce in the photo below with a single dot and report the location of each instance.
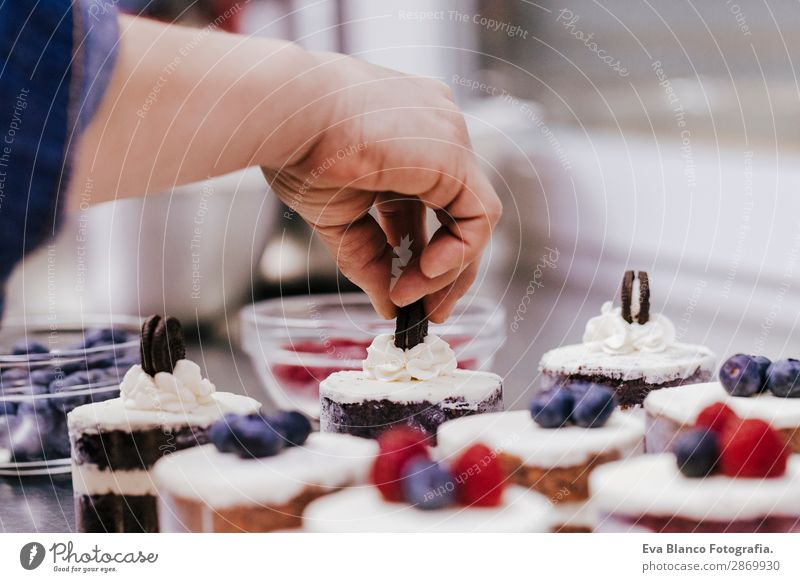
(48, 367)
(296, 342)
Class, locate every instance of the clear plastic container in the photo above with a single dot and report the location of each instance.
(296, 342)
(47, 368)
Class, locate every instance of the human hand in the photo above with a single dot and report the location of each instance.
(376, 138)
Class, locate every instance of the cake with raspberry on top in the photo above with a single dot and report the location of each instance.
(726, 474)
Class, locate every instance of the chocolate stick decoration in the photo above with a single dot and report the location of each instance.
(412, 325)
(162, 344)
(626, 296)
(644, 298)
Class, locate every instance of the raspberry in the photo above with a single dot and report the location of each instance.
(752, 448)
(479, 478)
(398, 446)
(715, 417)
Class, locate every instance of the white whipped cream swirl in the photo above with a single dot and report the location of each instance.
(610, 333)
(183, 390)
(432, 358)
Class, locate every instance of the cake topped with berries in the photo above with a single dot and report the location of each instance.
(629, 349)
(258, 474)
(726, 474)
(752, 386)
(409, 378)
(414, 493)
(165, 405)
(553, 447)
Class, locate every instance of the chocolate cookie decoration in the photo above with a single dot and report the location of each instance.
(162, 344)
(145, 346)
(412, 325)
(626, 296)
(644, 298)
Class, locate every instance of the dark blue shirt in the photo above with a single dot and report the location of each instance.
(57, 58)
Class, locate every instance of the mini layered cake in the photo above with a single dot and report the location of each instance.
(752, 386)
(165, 406)
(727, 474)
(410, 379)
(555, 447)
(629, 350)
(412, 493)
(259, 475)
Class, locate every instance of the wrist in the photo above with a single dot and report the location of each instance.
(288, 110)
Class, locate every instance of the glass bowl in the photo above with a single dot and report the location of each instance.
(296, 342)
(48, 366)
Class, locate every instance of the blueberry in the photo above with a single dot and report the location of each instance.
(742, 375)
(294, 427)
(552, 408)
(63, 389)
(24, 348)
(763, 363)
(43, 376)
(103, 337)
(247, 436)
(8, 407)
(40, 434)
(427, 484)
(594, 407)
(256, 437)
(14, 377)
(697, 452)
(783, 378)
(100, 361)
(221, 434)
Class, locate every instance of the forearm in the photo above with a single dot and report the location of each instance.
(185, 104)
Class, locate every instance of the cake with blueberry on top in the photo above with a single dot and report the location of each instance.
(409, 378)
(630, 350)
(727, 474)
(753, 386)
(258, 475)
(165, 405)
(553, 448)
(413, 493)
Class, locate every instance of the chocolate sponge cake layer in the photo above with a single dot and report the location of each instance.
(119, 450)
(116, 513)
(629, 392)
(370, 418)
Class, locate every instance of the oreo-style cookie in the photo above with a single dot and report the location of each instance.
(162, 344)
(644, 298)
(167, 345)
(626, 295)
(412, 325)
(146, 345)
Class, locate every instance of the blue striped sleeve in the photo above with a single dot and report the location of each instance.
(57, 58)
